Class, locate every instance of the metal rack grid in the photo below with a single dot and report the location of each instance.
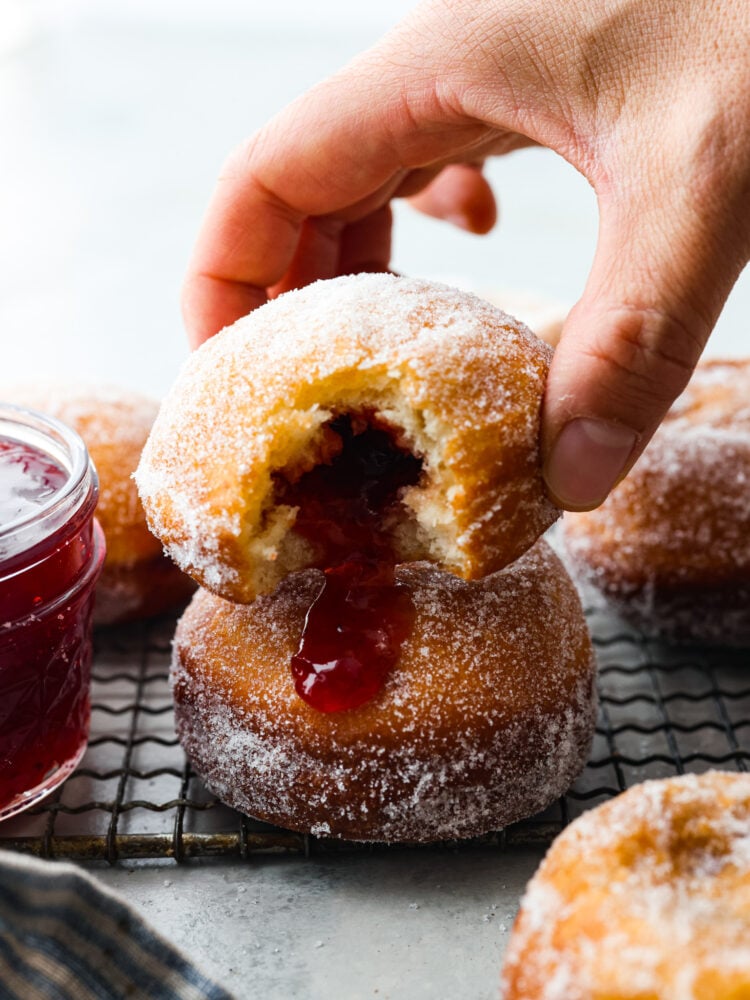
(663, 711)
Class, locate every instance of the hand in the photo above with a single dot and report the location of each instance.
(649, 99)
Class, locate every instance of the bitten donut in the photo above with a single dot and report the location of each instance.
(644, 898)
(486, 717)
(137, 580)
(454, 383)
(670, 547)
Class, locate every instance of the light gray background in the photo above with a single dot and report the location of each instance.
(114, 120)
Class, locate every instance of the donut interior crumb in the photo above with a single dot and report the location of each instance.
(326, 448)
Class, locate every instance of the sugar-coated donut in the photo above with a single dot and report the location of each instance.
(454, 381)
(486, 718)
(545, 317)
(137, 580)
(671, 544)
(644, 898)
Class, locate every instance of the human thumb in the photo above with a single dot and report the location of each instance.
(660, 277)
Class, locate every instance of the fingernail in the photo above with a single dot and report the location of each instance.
(586, 461)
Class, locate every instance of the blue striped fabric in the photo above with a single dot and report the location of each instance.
(65, 937)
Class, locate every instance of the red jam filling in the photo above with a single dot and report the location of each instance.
(356, 626)
(46, 597)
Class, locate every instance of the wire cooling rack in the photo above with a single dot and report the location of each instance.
(663, 711)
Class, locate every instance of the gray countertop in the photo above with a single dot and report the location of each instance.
(401, 925)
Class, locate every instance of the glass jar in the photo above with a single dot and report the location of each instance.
(51, 553)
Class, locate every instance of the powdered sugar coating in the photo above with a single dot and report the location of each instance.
(671, 545)
(460, 381)
(486, 718)
(645, 896)
(546, 317)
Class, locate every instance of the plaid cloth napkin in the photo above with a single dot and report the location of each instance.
(65, 937)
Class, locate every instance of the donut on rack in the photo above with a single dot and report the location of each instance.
(486, 717)
(138, 580)
(670, 547)
(646, 896)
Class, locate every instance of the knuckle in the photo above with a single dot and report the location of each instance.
(240, 160)
(648, 355)
(250, 163)
(248, 169)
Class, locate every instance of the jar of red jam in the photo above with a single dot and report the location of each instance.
(51, 553)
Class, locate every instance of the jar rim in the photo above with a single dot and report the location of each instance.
(61, 443)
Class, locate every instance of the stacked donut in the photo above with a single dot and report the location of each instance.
(670, 547)
(382, 648)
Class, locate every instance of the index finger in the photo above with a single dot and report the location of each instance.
(340, 149)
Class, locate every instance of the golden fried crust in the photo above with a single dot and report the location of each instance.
(459, 382)
(644, 898)
(545, 317)
(137, 580)
(486, 718)
(672, 541)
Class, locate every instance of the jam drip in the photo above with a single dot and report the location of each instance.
(356, 626)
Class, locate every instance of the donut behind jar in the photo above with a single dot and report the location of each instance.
(138, 580)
